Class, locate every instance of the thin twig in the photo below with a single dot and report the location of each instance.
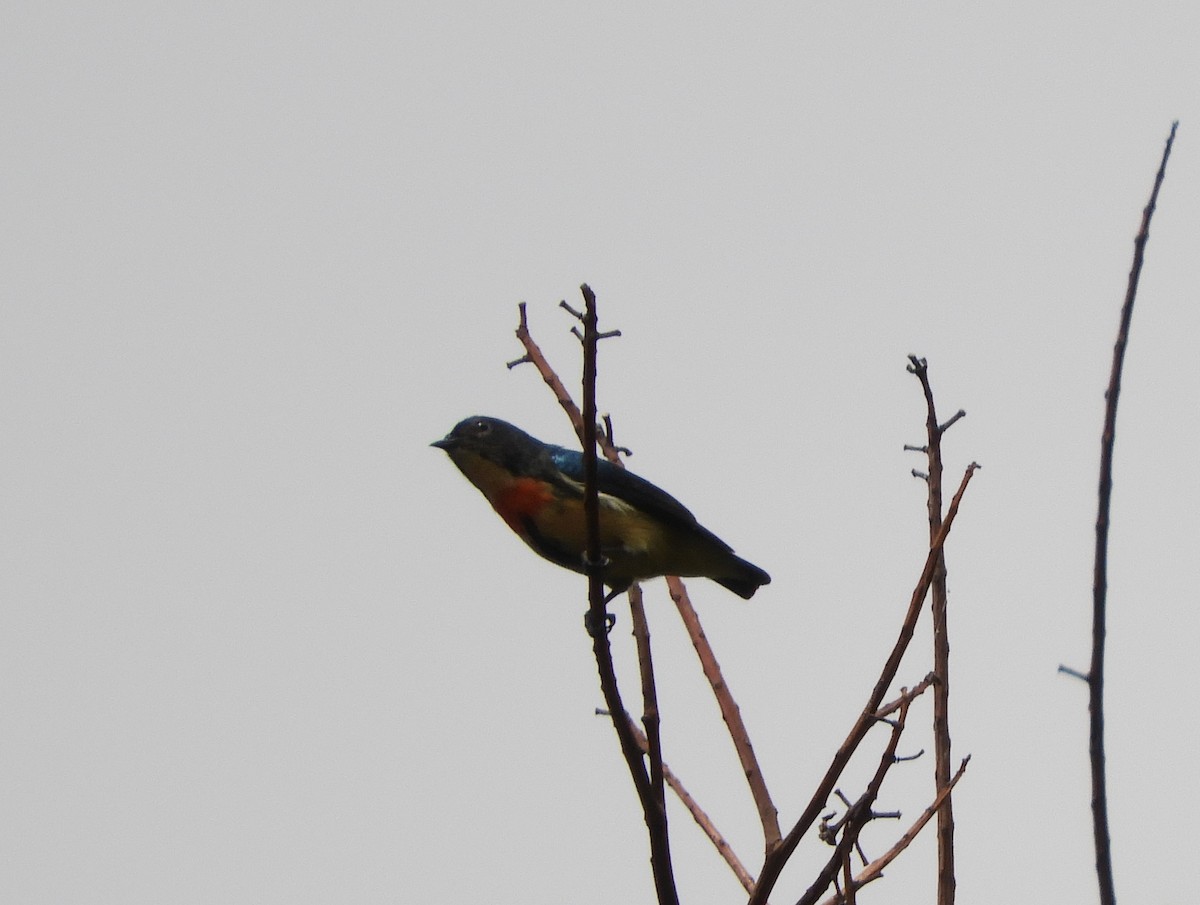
(1108, 895)
(905, 695)
(776, 859)
(650, 714)
(533, 355)
(848, 881)
(655, 815)
(730, 712)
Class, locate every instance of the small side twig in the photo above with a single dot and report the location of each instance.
(533, 355)
(607, 440)
(905, 695)
(874, 870)
(1073, 673)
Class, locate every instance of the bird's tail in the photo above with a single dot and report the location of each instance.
(746, 578)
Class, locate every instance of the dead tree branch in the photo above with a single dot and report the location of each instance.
(533, 355)
(730, 712)
(702, 819)
(858, 815)
(650, 716)
(941, 635)
(653, 809)
(776, 859)
(1100, 831)
(729, 709)
(874, 870)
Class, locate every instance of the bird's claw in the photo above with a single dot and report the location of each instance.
(594, 626)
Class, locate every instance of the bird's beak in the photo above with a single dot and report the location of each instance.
(447, 443)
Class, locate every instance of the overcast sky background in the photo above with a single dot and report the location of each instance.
(260, 644)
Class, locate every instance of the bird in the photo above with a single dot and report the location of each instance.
(537, 488)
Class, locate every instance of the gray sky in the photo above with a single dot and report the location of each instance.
(259, 643)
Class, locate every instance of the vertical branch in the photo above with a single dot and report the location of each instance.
(591, 495)
(651, 791)
(1095, 676)
(655, 813)
(941, 638)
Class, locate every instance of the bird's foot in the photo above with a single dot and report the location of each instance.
(595, 626)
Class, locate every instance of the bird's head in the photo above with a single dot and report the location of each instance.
(491, 439)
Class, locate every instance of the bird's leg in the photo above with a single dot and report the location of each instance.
(609, 619)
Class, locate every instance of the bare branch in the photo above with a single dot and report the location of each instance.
(653, 808)
(533, 354)
(777, 858)
(730, 712)
(702, 819)
(650, 715)
(1108, 895)
(906, 695)
(942, 428)
(941, 636)
(857, 816)
(609, 441)
(874, 870)
(1074, 673)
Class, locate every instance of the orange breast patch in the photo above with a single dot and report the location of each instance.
(522, 499)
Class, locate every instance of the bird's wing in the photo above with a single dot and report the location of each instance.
(637, 492)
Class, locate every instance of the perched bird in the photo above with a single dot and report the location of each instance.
(537, 488)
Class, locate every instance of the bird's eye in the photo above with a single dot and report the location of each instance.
(482, 427)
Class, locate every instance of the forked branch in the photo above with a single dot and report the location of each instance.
(774, 862)
(859, 814)
(874, 870)
(729, 709)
